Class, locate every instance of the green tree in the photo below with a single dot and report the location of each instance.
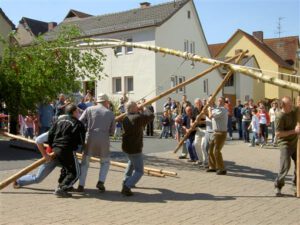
(38, 73)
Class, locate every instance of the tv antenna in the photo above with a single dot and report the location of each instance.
(279, 27)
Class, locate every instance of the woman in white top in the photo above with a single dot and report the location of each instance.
(272, 112)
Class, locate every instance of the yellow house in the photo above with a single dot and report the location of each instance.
(267, 58)
(6, 26)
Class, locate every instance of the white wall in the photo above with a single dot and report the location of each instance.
(140, 64)
(172, 34)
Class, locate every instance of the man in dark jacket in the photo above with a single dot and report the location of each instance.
(132, 144)
(64, 138)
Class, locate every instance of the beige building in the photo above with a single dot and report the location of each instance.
(6, 27)
(276, 57)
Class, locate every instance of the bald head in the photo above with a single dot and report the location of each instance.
(287, 104)
(189, 111)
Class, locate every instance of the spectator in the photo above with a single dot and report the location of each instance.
(165, 124)
(29, 125)
(272, 112)
(228, 106)
(46, 114)
(246, 120)
(264, 121)
(254, 126)
(238, 116)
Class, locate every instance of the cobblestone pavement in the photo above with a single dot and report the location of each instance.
(244, 196)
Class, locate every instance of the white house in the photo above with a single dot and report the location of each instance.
(145, 74)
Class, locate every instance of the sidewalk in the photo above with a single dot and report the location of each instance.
(243, 196)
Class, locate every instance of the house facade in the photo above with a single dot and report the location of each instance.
(283, 64)
(6, 27)
(145, 74)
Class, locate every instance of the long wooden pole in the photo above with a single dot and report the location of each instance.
(256, 74)
(183, 84)
(298, 151)
(210, 101)
(124, 165)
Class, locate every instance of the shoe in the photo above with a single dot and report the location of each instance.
(221, 172)
(100, 186)
(70, 189)
(79, 189)
(278, 192)
(16, 185)
(126, 191)
(182, 157)
(191, 160)
(211, 170)
(123, 183)
(262, 145)
(206, 167)
(60, 193)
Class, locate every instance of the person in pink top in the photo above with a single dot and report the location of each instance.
(29, 123)
(264, 122)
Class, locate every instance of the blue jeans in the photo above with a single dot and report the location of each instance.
(43, 171)
(191, 149)
(85, 162)
(164, 132)
(134, 170)
(254, 137)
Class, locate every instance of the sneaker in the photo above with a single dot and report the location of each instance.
(126, 191)
(100, 186)
(262, 145)
(221, 172)
(182, 157)
(16, 185)
(191, 160)
(60, 193)
(278, 192)
(211, 170)
(70, 189)
(79, 189)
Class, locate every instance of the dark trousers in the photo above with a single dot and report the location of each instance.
(285, 163)
(70, 171)
(150, 129)
(240, 128)
(245, 125)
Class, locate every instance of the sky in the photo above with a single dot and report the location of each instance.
(219, 18)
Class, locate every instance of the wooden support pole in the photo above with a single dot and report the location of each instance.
(183, 84)
(298, 151)
(198, 118)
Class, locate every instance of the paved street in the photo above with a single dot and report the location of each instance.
(244, 196)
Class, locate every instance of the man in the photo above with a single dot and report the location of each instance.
(132, 144)
(186, 125)
(286, 132)
(64, 138)
(185, 103)
(60, 106)
(168, 104)
(100, 123)
(202, 156)
(238, 116)
(228, 106)
(46, 113)
(219, 116)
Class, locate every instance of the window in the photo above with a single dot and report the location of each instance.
(230, 82)
(118, 50)
(281, 76)
(205, 86)
(192, 47)
(117, 84)
(181, 79)
(189, 14)
(186, 46)
(129, 49)
(128, 84)
(174, 82)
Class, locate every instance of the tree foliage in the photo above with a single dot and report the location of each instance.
(38, 73)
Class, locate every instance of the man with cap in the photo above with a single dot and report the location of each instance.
(100, 123)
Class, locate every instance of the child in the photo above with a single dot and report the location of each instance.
(254, 125)
(178, 127)
(29, 125)
(165, 123)
(264, 121)
(118, 131)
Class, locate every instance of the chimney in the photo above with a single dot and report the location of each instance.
(145, 5)
(51, 25)
(259, 35)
